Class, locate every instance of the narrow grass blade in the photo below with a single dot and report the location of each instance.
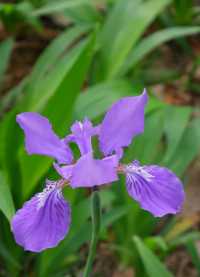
(152, 265)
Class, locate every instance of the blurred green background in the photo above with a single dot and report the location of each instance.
(68, 59)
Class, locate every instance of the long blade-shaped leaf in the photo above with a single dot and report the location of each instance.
(49, 67)
(6, 201)
(44, 65)
(176, 121)
(145, 147)
(10, 139)
(153, 266)
(5, 52)
(152, 41)
(187, 149)
(58, 6)
(96, 100)
(192, 249)
(125, 25)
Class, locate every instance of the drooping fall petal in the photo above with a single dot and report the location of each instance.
(156, 188)
(43, 221)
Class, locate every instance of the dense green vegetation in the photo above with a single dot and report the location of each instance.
(106, 49)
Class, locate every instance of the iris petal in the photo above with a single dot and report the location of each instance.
(65, 171)
(90, 172)
(41, 139)
(82, 133)
(43, 221)
(157, 189)
(122, 122)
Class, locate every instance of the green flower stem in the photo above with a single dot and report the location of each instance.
(96, 224)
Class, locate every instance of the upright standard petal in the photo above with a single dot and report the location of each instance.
(43, 221)
(82, 133)
(41, 139)
(90, 172)
(122, 122)
(157, 189)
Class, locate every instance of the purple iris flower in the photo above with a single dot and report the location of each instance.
(44, 220)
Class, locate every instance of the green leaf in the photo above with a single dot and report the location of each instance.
(149, 43)
(5, 51)
(96, 99)
(58, 6)
(59, 106)
(45, 64)
(6, 201)
(125, 25)
(145, 147)
(48, 87)
(13, 95)
(176, 121)
(9, 257)
(84, 14)
(10, 138)
(184, 239)
(51, 67)
(78, 219)
(14, 14)
(187, 149)
(192, 250)
(156, 242)
(152, 265)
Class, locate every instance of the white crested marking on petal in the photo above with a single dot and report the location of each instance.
(44, 220)
(132, 169)
(157, 189)
(43, 196)
(80, 125)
